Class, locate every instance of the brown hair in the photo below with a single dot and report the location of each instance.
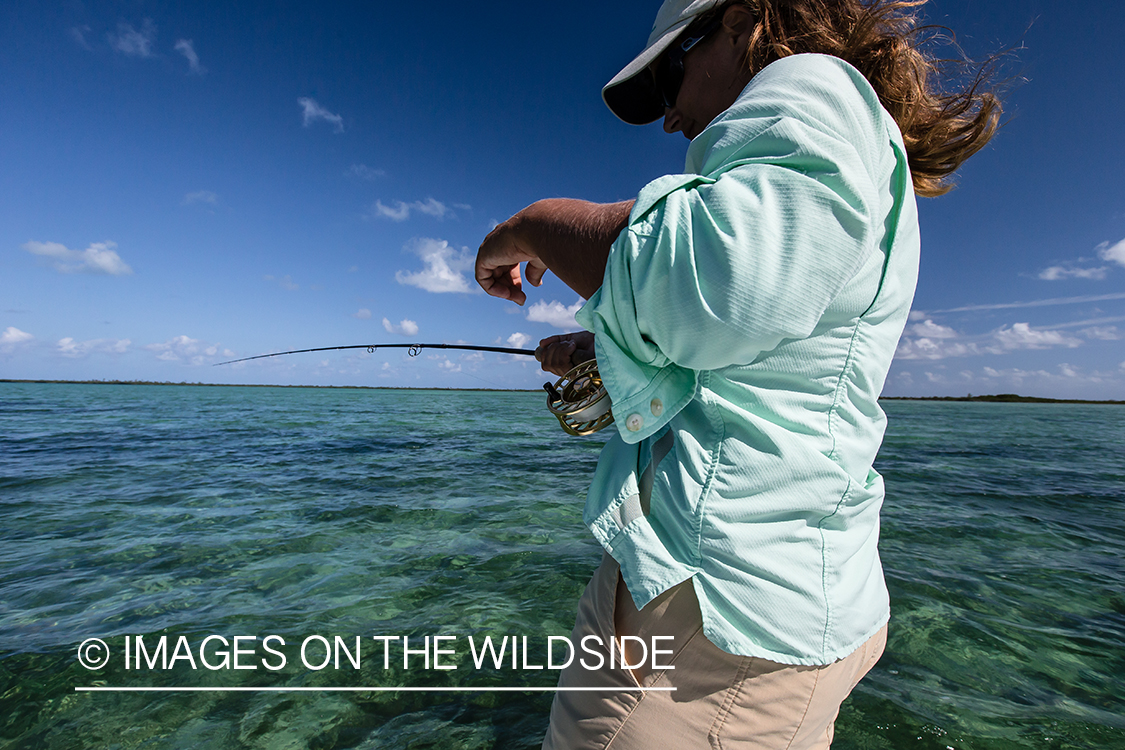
(881, 38)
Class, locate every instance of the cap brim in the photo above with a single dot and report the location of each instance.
(632, 94)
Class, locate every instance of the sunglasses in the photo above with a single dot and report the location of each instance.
(669, 75)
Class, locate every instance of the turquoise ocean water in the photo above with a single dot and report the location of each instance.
(188, 512)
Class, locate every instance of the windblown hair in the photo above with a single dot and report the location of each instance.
(882, 39)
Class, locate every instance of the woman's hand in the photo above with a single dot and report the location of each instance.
(499, 258)
(560, 354)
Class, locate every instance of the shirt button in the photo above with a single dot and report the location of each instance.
(634, 422)
(657, 407)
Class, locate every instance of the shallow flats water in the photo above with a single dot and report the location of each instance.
(188, 512)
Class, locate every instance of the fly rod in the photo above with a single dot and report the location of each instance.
(415, 350)
(578, 400)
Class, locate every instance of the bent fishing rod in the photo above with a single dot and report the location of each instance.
(415, 350)
(578, 399)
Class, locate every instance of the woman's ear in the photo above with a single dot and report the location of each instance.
(738, 21)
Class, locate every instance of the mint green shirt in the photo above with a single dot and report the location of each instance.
(745, 325)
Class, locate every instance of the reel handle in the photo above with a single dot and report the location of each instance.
(553, 395)
(579, 400)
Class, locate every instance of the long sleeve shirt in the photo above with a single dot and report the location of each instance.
(744, 328)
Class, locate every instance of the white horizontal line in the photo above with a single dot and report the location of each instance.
(1036, 303)
(369, 689)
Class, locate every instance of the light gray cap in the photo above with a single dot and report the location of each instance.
(631, 94)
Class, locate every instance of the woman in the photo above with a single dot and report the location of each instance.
(744, 315)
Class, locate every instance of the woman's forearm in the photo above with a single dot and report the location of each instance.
(570, 237)
(573, 237)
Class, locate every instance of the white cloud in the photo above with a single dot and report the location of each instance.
(285, 282)
(200, 196)
(518, 341)
(401, 211)
(78, 33)
(1067, 376)
(449, 366)
(365, 172)
(186, 349)
(1102, 333)
(930, 329)
(311, 112)
(1079, 269)
(1019, 375)
(187, 49)
(1067, 370)
(129, 41)
(68, 347)
(1089, 322)
(362, 314)
(444, 269)
(13, 337)
(1115, 253)
(931, 341)
(404, 328)
(99, 257)
(555, 314)
(1023, 336)
(927, 348)
(434, 208)
(1056, 273)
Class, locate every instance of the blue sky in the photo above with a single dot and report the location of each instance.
(185, 182)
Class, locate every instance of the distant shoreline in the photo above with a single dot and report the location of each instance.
(1002, 398)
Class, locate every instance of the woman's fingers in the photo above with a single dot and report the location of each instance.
(559, 354)
(556, 358)
(504, 283)
(498, 265)
(535, 271)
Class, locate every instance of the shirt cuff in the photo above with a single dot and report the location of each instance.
(643, 397)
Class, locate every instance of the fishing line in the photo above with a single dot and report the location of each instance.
(578, 399)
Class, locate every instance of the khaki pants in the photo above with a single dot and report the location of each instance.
(721, 700)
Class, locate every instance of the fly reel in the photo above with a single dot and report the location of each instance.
(579, 400)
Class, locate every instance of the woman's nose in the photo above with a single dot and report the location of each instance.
(672, 120)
